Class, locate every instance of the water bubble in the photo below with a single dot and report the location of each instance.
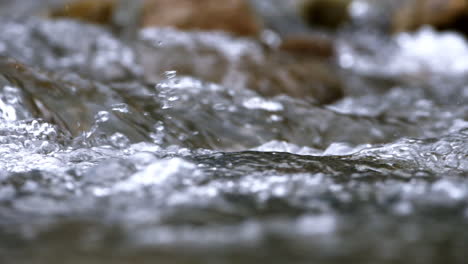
(119, 140)
(443, 148)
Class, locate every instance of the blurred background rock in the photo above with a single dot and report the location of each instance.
(295, 39)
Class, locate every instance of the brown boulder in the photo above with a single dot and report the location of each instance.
(438, 13)
(304, 78)
(325, 13)
(234, 16)
(308, 45)
(93, 11)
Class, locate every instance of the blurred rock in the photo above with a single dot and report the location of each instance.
(296, 68)
(438, 13)
(233, 16)
(300, 77)
(94, 11)
(308, 44)
(325, 13)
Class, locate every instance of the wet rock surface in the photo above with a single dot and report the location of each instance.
(325, 13)
(203, 147)
(100, 11)
(233, 16)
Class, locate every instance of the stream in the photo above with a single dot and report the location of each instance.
(107, 155)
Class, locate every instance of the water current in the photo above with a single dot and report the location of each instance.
(109, 156)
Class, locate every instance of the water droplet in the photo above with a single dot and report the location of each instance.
(119, 140)
(102, 116)
(122, 108)
(159, 126)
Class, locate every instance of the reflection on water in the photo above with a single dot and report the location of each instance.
(106, 159)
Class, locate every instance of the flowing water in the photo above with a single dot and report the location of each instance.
(105, 161)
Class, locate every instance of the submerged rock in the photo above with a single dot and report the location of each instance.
(240, 63)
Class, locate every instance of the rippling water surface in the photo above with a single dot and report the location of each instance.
(105, 161)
